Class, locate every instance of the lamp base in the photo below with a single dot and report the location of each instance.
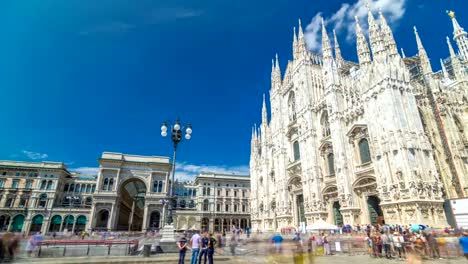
(168, 240)
(168, 233)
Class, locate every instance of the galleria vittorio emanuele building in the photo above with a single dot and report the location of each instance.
(383, 140)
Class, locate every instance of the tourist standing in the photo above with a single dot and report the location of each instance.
(210, 248)
(326, 244)
(464, 244)
(195, 242)
(182, 244)
(204, 248)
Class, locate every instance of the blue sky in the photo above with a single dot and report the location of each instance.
(81, 77)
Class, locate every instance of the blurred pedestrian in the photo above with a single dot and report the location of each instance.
(464, 244)
(433, 245)
(326, 244)
(233, 245)
(277, 241)
(398, 242)
(182, 244)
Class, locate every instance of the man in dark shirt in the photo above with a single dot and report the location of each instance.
(211, 248)
(182, 244)
(204, 248)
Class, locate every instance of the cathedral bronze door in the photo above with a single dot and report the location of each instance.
(337, 214)
(300, 208)
(375, 212)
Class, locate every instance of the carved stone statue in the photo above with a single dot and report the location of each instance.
(394, 193)
(399, 176)
(413, 189)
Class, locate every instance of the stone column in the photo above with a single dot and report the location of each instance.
(111, 220)
(74, 224)
(145, 218)
(61, 225)
(117, 180)
(91, 221)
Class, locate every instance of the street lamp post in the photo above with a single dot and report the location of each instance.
(176, 137)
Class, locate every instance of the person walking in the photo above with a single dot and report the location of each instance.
(195, 242)
(182, 244)
(233, 245)
(433, 245)
(204, 248)
(398, 242)
(464, 243)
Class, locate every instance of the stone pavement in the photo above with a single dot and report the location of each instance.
(172, 258)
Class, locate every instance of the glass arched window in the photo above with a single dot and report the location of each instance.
(77, 188)
(65, 188)
(331, 164)
(325, 125)
(88, 188)
(42, 200)
(160, 186)
(106, 183)
(43, 184)
(292, 106)
(111, 183)
(93, 188)
(182, 203)
(49, 185)
(204, 191)
(208, 191)
(206, 205)
(72, 187)
(83, 188)
(191, 204)
(155, 186)
(297, 153)
(364, 150)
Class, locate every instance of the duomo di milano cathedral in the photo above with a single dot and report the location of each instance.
(384, 140)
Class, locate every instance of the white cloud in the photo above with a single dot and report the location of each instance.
(343, 19)
(188, 172)
(35, 155)
(86, 170)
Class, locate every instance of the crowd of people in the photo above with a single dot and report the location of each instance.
(9, 246)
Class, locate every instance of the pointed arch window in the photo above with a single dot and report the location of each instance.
(364, 151)
(292, 106)
(331, 164)
(296, 151)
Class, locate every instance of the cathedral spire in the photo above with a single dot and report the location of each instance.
(301, 33)
(361, 45)
(275, 72)
(455, 61)
(375, 38)
(403, 55)
(389, 40)
(338, 57)
(326, 48)
(264, 112)
(459, 35)
(444, 70)
(424, 60)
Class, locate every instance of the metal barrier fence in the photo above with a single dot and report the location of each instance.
(55, 248)
(447, 247)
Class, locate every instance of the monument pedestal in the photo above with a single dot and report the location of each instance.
(168, 241)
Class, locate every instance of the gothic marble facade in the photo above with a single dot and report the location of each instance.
(383, 140)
